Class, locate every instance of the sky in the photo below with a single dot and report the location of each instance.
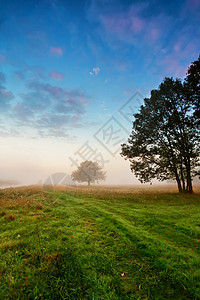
(73, 73)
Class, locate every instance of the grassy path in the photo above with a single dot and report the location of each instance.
(99, 245)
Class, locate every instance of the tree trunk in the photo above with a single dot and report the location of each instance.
(178, 181)
(189, 179)
(182, 177)
(174, 164)
(186, 158)
(179, 185)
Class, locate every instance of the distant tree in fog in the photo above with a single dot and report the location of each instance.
(89, 172)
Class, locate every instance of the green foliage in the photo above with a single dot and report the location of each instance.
(99, 244)
(89, 172)
(165, 140)
(192, 86)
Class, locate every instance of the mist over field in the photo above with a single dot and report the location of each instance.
(8, 183)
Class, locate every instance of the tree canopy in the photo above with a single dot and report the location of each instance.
(165, 139)
(89, 172)
(192, 86)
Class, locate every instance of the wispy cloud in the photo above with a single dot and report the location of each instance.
(172, 65)
(7, 132)
(95, 71)
(49, 109)
(133, 29)
(137, 24)
(152, 38)
(30, 73)
(179, 54)
(2, 78)
(58, 133)
(56, 75)
(5, 95)
(132, 24)
(192, 6)
(57, 51)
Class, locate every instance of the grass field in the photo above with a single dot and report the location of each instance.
(99, 243)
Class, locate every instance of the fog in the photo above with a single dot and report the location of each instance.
(28, 161)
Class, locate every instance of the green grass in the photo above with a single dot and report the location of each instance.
(99, 244)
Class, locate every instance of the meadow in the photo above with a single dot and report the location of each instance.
(99, 243)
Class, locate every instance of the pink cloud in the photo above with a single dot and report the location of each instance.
(132, 28)
(114, 24)
(177, 47)
(190, 6)
(56, 75)
(154, 34)
(133, 25)
(172, 65)
(176, 62)
(183, 50)
(194, 3)
(5, 93)
(137, 24)
(124, 23)
(83, 101)
(57, 51)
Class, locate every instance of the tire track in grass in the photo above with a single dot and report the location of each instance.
(81, 252)
(175, 232)
(104, 249)
(150, 241)
(118, 213)
(171, 234)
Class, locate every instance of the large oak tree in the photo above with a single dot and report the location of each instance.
(165, 139)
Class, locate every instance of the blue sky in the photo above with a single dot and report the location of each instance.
(66, 67)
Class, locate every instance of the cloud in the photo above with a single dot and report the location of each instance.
(7, 132)
(137, 24)
(23, 113)
(2, 58)
(84, 102)
(192, 6)
(56, 133)
(30, 73)
(5, 95)
(133, 29)
(145, 36)
(179, 54)
(20, 74)
(57, 51)
(2, 78)
(95, 71)
(172, 65)
(56, 92)
(48, 108)
(56, 75)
